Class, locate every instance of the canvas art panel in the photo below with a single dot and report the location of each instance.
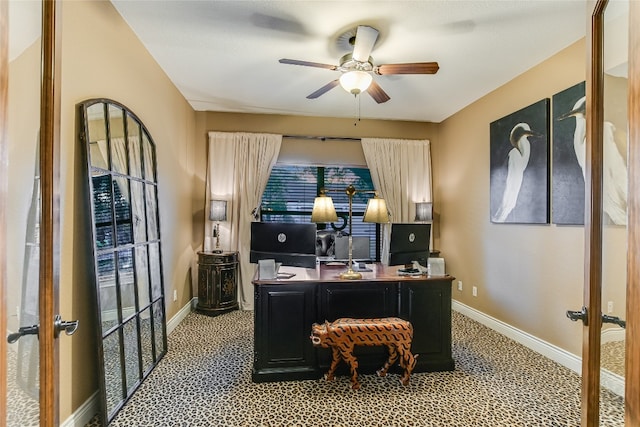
(519, 166)
(615, 147)
(568, 168)
(569, 154)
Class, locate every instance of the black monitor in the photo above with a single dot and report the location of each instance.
(292, 244)
(409, 242)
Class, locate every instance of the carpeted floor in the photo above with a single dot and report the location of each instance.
(612, 357)
(22, 398)
(205, 380)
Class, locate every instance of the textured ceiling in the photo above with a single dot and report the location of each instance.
(223, 55)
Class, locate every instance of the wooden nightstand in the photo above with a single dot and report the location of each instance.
(217, 282)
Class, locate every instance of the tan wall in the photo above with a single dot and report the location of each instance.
(527, 275)
(102, 58)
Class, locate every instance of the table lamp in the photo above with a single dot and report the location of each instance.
(324, 211)
(424, 211)
(217, 213)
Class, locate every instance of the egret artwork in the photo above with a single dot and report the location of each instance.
(520, 166)
(569, 138)
(569, 153)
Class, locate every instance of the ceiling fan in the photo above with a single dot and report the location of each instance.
(357, 67)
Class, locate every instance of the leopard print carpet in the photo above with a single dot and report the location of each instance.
(22, 407)
(612, 357)
(205, 380)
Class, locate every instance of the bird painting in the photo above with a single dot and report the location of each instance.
(519, 166)
(518, 162)
(569, 131)
(614, 180)
(580, 132)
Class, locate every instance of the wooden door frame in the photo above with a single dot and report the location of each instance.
(632, 341)
(590, 407)
(50, 210)
(4, 175)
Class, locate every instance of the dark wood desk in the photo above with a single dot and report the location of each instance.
(285, 309)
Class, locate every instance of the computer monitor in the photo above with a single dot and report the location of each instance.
(360, 247)
(409, 242)
(292, 244)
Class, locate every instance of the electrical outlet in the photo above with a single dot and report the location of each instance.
(460, 285)
(474, 291)
(175, 295)
(610, 307)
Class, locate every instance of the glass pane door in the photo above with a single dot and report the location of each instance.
(23, 216)
(614, 206)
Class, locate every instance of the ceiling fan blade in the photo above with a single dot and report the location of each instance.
(377, 93)
(324, 89)
(411, 68)
(308, 64)
(365, 39)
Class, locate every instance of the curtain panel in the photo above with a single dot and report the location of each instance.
(401, 173)
(239, 166)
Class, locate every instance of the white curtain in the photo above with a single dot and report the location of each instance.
(401, 173)
(238, 169)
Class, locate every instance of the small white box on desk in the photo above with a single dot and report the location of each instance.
(436, 266)
(267, 269)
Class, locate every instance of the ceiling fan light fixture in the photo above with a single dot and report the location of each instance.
(356, 81)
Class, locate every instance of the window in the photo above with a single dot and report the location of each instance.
(291, 190)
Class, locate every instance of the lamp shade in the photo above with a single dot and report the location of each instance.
(323, 210)
(355, 81)
(376, 211)
(218, 210)
(424, 211)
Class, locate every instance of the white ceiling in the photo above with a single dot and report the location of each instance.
(223, 55)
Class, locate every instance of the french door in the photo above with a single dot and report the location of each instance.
(605, 74)
(29, 214)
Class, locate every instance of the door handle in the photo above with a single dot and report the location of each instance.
(68, 326)
(578, 315)
(615, 320)
(582, 315)
(22, 331)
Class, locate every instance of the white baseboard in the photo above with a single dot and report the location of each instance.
(180, 315)
(84, 413)
(91, 406)
(613, 382)
(613, 334)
